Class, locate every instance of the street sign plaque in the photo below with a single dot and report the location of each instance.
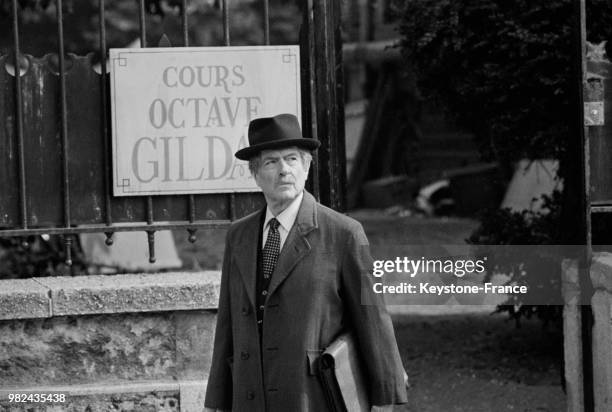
(180, 114)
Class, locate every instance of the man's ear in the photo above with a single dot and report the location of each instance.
(254, 174)
(307, 164)
(308, 167)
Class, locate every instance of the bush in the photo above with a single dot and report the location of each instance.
(507, 227)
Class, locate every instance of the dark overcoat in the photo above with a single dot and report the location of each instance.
(315, 293)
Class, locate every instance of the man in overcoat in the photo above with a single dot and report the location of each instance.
(294, 277)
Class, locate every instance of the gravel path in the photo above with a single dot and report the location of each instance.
(479, 363)
(462, 358)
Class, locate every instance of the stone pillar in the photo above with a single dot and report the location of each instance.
(572, 340)
(601, 276)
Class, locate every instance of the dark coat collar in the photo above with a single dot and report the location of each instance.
(306, 219)
(296, 246)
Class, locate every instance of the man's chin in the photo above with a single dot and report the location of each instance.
(286, 193)
(286, 189)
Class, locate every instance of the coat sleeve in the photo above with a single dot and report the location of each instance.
(371, 322)
(219, 389)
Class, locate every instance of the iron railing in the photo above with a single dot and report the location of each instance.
(68, 117)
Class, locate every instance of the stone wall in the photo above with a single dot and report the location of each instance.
(157, 400)
(124, 342)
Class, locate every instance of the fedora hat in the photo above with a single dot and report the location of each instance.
(275, 132)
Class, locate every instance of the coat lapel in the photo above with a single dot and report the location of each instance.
(246, 258)
(296, 246)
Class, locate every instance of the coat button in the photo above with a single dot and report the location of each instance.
(245, 311)
(244, 355)
(250, 395)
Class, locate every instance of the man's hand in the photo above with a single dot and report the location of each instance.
(384, 408)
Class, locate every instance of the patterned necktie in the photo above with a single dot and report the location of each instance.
(272, 249)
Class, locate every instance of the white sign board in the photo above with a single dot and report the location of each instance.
(180, 114)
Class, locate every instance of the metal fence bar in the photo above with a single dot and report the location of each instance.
(103, 91)
(64, 128)
(184, 23)
(192, 208)
(232, 206)
(68, 246)
(226, 38)
(149, 199)
(19, 120)
(149, 210)
(64, 111)
(151, 241)
(141, 21)
(266, 4)
(312, 94)
(210, 224)
(143, 44)
(226, 33)
(108, 225)
(191, 198)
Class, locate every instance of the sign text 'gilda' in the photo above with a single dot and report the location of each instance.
(180, 114)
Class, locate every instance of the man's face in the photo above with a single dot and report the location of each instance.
(281, 175)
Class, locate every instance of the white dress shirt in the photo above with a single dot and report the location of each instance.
(286, 218)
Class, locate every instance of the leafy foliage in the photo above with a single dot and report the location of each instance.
(527, 227)
(506, 71)
(503, 69)
(38, 24)
(36, 256)
(541, 273)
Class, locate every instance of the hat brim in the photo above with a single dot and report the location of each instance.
(248, 152)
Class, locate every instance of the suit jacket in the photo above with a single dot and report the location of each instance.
(315, 293)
